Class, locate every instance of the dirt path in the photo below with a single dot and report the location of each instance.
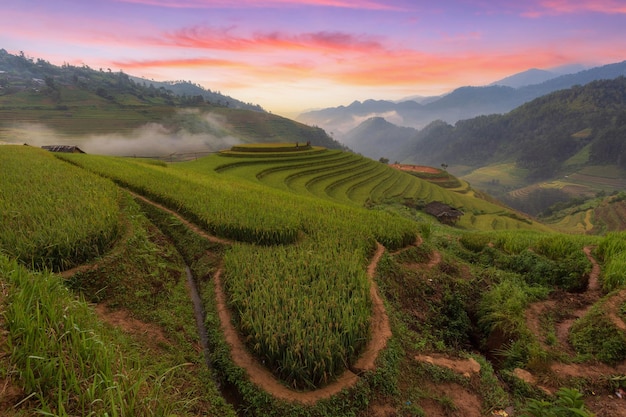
(197, 230)
(594, 276)
(117, 247)
(612, 308)
(608, 406)
(380, 331)
(433, 261)
(380, 328)
(583, 301)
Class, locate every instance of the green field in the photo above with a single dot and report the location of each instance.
(290, 239)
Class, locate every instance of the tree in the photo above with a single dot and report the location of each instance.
(383, 160)
(50, 83)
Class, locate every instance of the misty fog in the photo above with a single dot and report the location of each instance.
(195, 132)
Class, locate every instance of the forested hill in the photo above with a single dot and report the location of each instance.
(41, 103)
(588, 121)
(19, 71)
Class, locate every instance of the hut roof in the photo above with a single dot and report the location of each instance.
(443, 212)
(63, 148)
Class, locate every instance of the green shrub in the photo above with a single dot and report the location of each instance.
(596, 335)
(568, 403)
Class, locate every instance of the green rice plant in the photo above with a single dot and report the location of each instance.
(378, 192)
(475, 242)
(63, 358)
(612, 244)
(222, 207)
(614, 272)
(306, 320)
(515, 242)
(53, 215)
(494, 396)
(501, 313)
(502, 307)
(558, 246)
(612, 250)
(303, 308)
(350, 178)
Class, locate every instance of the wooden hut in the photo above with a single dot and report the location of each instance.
(444, 213)
(63, 148)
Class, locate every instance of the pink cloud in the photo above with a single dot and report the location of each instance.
(223, 39)
(376, 69)
(557, 7)
(241, 4)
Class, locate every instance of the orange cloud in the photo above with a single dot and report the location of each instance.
(246, 73)
(406, 68)
(170, 63)
(397, 68)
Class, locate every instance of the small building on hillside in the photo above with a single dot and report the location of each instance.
(63, 148)
(444, 213)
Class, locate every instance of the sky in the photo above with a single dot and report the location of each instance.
(290, 56)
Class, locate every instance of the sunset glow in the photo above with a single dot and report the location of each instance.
(293, 55)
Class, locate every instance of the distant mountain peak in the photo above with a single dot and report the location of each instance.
(528, 77)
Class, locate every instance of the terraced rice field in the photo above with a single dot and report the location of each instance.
(348, 179)
(580, 222)
(613, 216)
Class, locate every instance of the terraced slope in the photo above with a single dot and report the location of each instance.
(352, 179)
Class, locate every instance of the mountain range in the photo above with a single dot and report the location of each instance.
(570, 143)
(462, 103)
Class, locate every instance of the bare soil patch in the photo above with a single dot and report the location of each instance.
(450, 399)
(416, 168)
(465, 367)
(382, 410)
(151, 334)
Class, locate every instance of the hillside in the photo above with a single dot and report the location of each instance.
(377, 138)
(116, 114)
(573, 138)
(528, 77)
(254, 282)
(189, 91)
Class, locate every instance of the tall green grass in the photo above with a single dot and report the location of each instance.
(612, 250)
(53, 215)
(65, 362)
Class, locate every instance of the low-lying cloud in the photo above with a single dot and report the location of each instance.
(150, 140)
